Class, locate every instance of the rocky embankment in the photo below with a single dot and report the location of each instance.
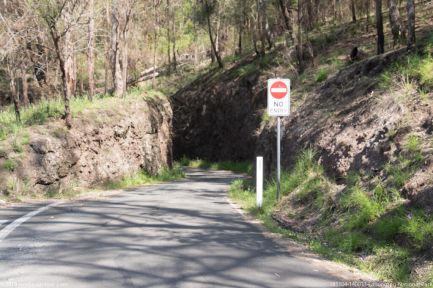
(104, 145)
(216, 116)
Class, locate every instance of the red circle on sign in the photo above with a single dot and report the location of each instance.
(279, 90)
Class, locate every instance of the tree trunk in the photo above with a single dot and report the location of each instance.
(394, 20)
(217, 33)
(68, 71)
(14, 94)
(212, 42)
(174, 40)
(168, 36)
(25, 84)
(124, 60)
(155, 41)
(299, 46)
(240, 31)
(339, 11)
(64, 58)
(261, 26)
(334, 10)
(108, 53)
(241, 26)
(265, 34)
(116, 50)
(353, 10)
(267, 31)
(367, 22)
(287, 22)
(379, 28)
(411, 40)
(74, 79)
(91, 51)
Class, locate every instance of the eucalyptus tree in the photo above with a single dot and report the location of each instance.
(410, 7)
(379, 28)
(397, 30)
(204, 13)
(120, 19)
(91, 50)
(62, 18)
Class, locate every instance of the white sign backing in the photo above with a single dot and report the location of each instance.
(278, 97)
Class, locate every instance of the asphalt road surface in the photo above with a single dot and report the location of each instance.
(180, 234)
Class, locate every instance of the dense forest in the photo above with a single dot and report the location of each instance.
(75, 48)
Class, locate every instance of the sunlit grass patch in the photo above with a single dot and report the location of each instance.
(46, 110)
(142, 178)
(234, 166)
(9, 165)
(322, 75)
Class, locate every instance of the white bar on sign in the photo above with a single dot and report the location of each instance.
(278, 90)
(259, 182)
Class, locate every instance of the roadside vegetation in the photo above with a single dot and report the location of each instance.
(142, 178)
(52, 109)
(238, 167)
(366, 224)
(364, 220)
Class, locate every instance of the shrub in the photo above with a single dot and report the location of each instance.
(9, 165)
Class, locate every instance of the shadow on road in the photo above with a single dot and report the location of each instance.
(181, 234)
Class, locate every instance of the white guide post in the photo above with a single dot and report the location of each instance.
(259, 182)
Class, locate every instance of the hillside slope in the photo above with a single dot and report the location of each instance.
(357, 148)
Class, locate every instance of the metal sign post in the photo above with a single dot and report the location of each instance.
(278, 157)
(278, 106)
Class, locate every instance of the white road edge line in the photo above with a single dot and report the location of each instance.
(12, 226)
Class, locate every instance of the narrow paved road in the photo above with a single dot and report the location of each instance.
(181, 234)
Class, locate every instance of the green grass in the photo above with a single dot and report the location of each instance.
(9, 165)
(362, 208)
(390, 262)
(322, 75)
(412, 71)
(265, 117)
(42, 112)
(371, 220)
(258, 64)
(142, 178)
(238, 167)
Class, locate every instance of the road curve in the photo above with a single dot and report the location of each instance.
(180, 234)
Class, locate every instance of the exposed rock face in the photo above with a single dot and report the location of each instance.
(216, 116)
(104, 145)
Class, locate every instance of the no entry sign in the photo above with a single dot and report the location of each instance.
(278, 97)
